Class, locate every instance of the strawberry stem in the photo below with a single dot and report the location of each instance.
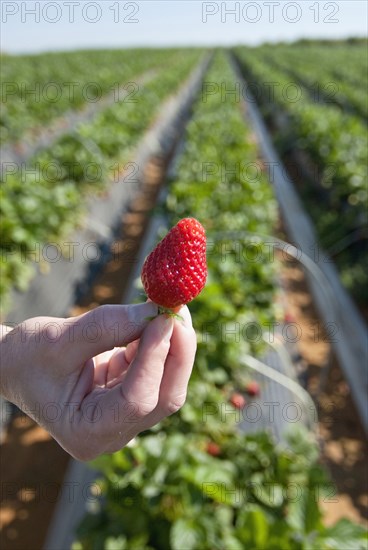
(169, 312)
(165, 311)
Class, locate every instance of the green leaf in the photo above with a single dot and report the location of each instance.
(313, 513)
(119, 543)
(185, 534)
(270, 494)
(260, 527)
(252, 527)
(232, 543)
(344, 535)
(296, 516)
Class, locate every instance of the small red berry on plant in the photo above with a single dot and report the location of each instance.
(289, 317)
(213, 449)
(238, 400)
(252, 388)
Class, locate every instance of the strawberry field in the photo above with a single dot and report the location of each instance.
(40, 88)
(321, 114)
(200, 479)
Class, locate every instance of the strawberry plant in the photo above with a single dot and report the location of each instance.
(169, 492)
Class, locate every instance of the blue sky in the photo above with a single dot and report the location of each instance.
(31, 26)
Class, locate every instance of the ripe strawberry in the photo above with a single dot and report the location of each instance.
(238, 401)
(175, 271)
(213, 449)
(289, 317)
(252, 388)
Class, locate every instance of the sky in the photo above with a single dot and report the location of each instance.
(35, 26)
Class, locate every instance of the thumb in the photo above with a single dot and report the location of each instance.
(107, 327)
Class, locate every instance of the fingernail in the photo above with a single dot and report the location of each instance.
(184, 313)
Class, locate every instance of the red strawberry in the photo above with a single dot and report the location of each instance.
(252, 388)
(175, 272)
(289, 317)
(213, 449)
(238, 401)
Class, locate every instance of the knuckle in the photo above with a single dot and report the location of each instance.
(52, 343)
(144, 409)
(174, 405)
(137, 410)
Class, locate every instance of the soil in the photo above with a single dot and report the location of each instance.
(344, 446)
(32, 470)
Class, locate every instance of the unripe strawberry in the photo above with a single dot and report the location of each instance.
(175, 271)
(238, 400)
(252, 388)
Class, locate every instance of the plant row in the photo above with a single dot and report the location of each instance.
(195, 481)
(322, 79)
(43, 201)
(37, 88)
(335, 145)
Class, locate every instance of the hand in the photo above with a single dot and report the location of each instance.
(91, 396)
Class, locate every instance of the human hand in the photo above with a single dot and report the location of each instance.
(94, 397)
